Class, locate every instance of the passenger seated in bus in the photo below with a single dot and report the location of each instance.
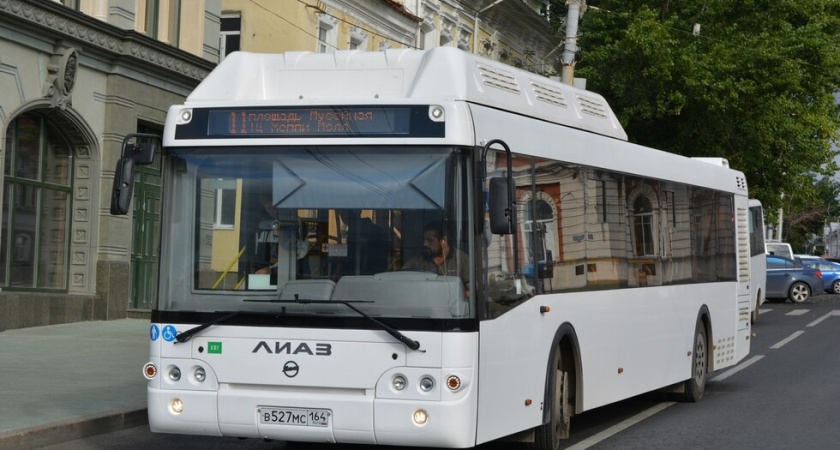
(367, 245)
(440, 257)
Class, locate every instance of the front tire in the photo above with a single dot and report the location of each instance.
(548, 435)
(695, 387)
(799, 292)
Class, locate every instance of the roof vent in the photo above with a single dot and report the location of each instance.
(497, 78)
(549, 94)
(591, 106)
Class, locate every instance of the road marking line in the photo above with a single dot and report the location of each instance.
(797, 312)
(817, 322)
(736, 369)
(764, 310)
(786, 340)
(617, 428)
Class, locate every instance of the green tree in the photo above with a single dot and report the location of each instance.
(810, 212)
(756, 85)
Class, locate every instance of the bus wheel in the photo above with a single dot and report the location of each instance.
(548, 436)
(754, 317)
(696, 385)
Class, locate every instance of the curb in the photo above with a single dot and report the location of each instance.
(69, 430)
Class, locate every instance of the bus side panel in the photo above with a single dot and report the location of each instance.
(631, 341)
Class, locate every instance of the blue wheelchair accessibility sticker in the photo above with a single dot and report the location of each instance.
(154, 333)
(169, 333)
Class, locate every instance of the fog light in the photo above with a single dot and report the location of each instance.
(420, 417)
(427, 384)
(174, 373)
(200, 375)
(176, 406)
(399, 382)
(149, 371)
(453, 383)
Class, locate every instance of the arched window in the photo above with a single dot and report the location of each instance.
(643, 226)
(34, 237)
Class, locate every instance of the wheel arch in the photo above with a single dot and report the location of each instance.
(566, 341)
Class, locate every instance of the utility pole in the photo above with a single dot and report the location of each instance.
(576, 7)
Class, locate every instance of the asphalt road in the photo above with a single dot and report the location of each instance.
(782, 396)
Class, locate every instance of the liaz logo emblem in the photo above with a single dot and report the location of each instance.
(291, 369)
(288, 348)
(214, 347)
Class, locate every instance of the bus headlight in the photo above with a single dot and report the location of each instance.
(199, 374)
(398, 383)
(174, 373)
(427, 384)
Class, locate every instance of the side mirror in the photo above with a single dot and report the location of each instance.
(123, 187)
(136, 149)
(500, 214)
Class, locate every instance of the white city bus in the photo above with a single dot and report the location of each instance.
(513, 260)
(758, 258)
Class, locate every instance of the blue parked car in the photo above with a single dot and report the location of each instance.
(790, 279)
(830, 273)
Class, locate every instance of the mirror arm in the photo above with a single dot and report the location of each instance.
(511, 212)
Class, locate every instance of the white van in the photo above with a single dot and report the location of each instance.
(778, 249)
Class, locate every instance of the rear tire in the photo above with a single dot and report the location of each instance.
(835, 287)
(755, 313)
(548, 436)
(799, 292)
(695, 386)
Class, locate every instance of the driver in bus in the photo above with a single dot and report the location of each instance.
(440, 257)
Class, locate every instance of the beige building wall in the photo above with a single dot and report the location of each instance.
(121, 81)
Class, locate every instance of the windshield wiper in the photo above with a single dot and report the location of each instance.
(410, 343)
(186, 335)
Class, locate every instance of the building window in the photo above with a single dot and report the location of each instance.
(358, 39)
(34, 237)
(225, 214)
(151, 15)
(427, 36)
(74, 4)
(230, 35)
(174, 28)
(643, 226)
(327, 31)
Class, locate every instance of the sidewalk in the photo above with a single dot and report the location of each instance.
(64, 382)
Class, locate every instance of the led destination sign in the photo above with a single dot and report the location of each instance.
(330, 121)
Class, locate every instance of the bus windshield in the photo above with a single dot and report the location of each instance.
(308, 229)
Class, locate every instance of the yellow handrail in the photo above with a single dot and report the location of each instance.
(224, 272)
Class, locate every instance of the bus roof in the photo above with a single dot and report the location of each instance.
(404, 75)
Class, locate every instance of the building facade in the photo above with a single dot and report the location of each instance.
(512, 31)
(76, 77)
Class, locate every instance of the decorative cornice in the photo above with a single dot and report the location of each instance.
(95, 36)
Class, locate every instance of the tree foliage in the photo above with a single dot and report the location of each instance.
(756, 85)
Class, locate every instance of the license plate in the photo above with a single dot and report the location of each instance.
(295, 416)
